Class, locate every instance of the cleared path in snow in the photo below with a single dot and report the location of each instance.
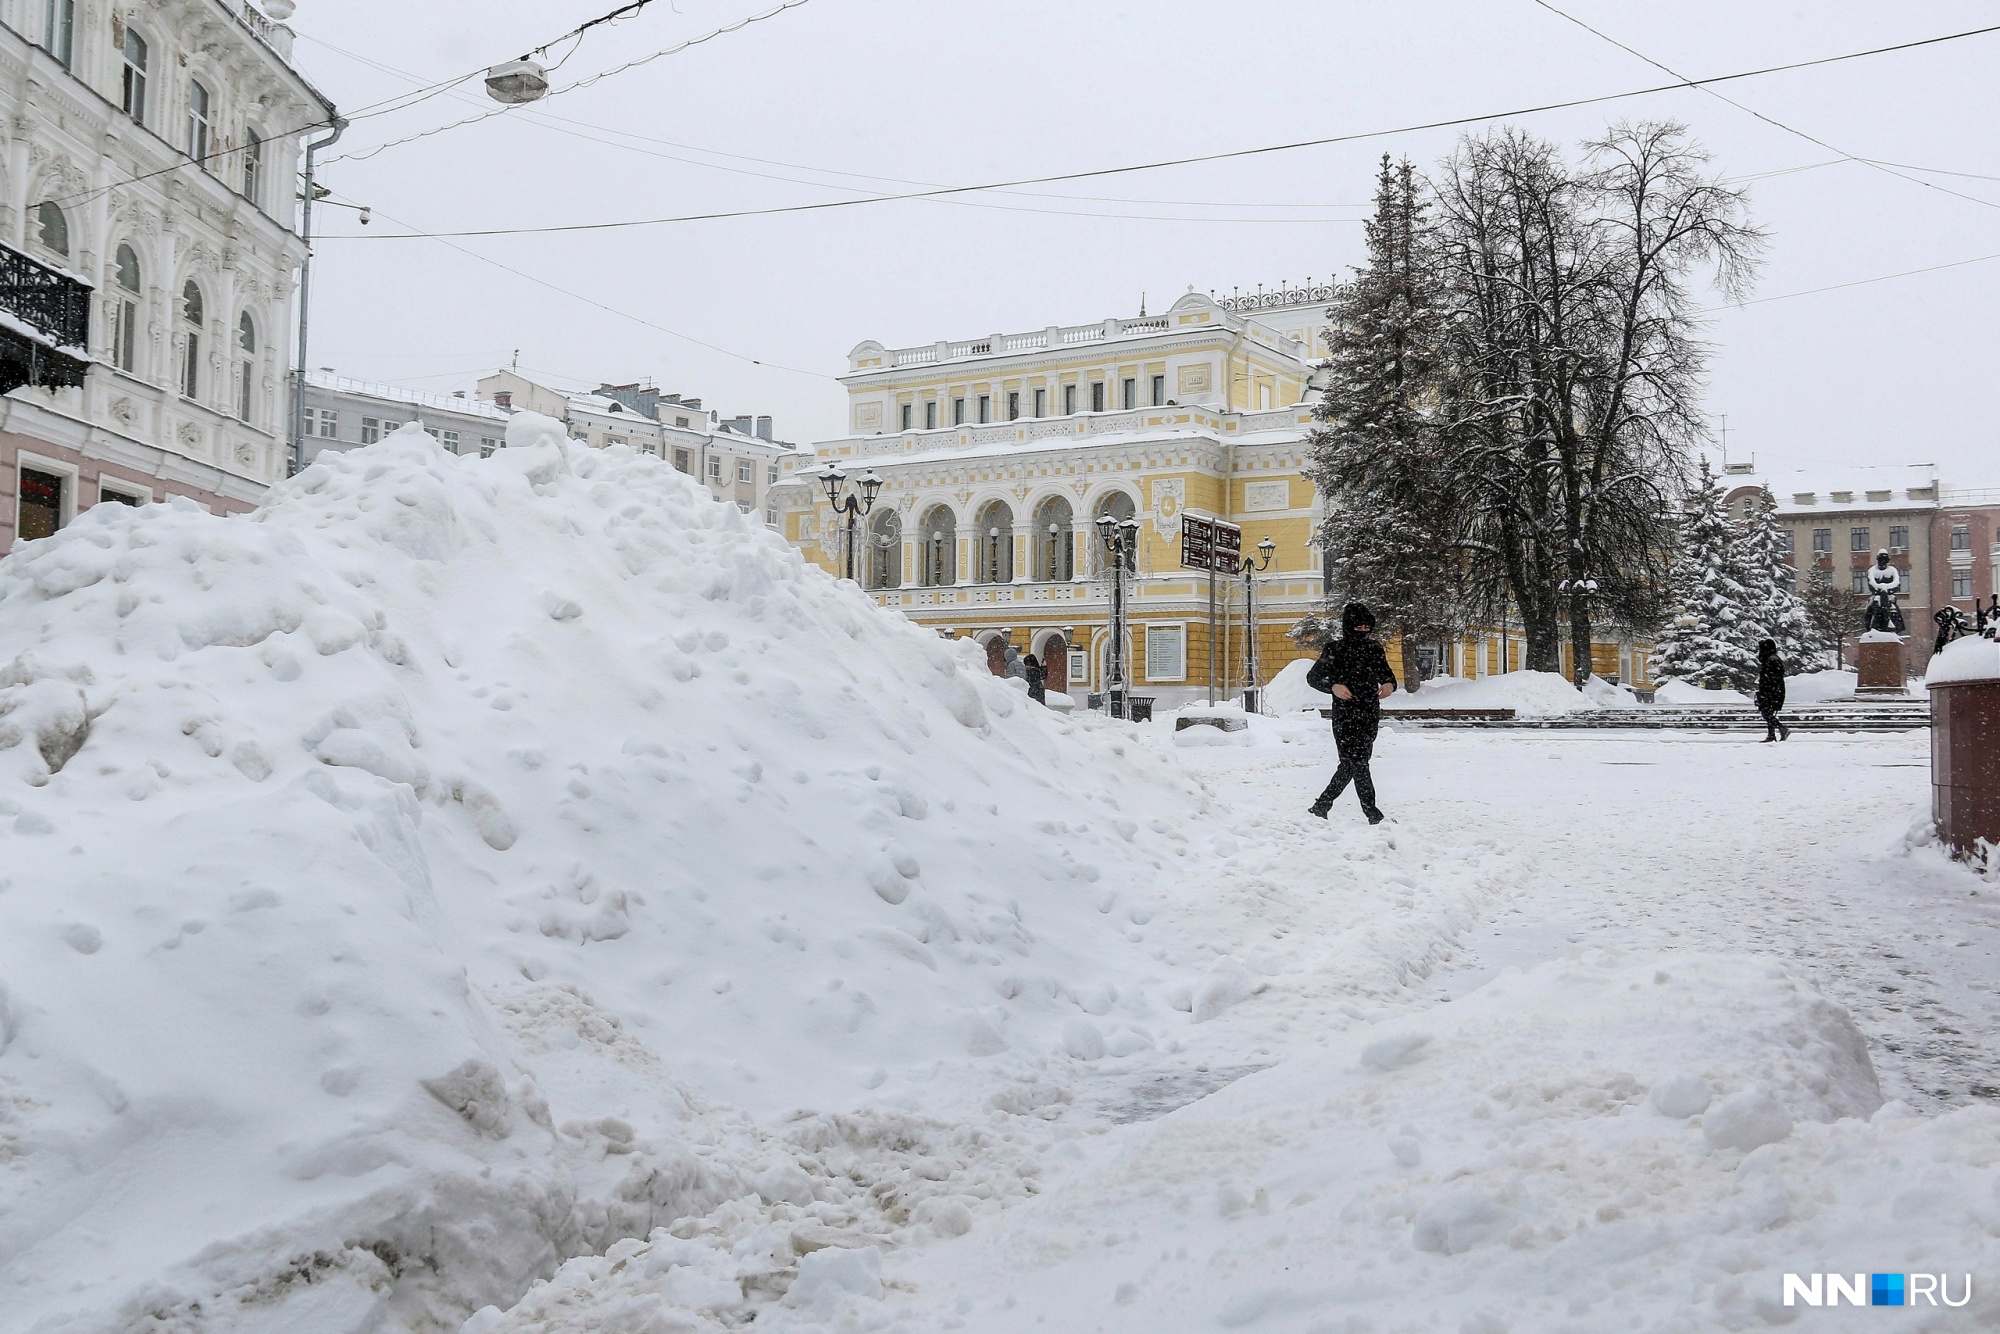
(1711, 842)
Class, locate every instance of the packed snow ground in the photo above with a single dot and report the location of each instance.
(470, 873)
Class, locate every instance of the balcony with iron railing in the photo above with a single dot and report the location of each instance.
(44, 324)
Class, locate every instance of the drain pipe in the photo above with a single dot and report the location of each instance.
(298, 461)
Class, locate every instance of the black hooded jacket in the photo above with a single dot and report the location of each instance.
(1355, 661)
(1771, 682)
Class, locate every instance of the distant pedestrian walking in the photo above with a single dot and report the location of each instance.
(1771, 690)
(1038, 679)
(1011, 664)
(1355, 671)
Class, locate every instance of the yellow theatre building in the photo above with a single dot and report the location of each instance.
(997, 455)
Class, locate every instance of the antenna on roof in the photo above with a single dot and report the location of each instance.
(1142, 305)
(517, 361)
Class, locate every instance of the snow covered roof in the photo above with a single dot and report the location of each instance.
(1901, 486)
(395, 393)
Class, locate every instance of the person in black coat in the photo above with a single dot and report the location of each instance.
(1355, 671)
(1771, 690)
(1038, 679)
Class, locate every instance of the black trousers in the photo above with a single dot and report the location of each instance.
(1354, 738)
(1771, 724)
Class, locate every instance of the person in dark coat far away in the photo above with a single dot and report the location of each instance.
(1355, 671)
(1038, 679)
(1771, 690)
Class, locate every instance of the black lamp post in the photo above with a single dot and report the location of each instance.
(853, 506)
(1250, 569)
(1121, 541)
(1579, 592)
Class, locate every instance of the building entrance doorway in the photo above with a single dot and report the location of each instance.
(1054, 657)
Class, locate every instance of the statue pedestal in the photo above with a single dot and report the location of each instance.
(1879, 664)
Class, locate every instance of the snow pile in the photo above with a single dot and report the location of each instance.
(425, 879)
(1288, 691)
(1529, 694)
(1973, 658)
(1599, 1143)
(1684, 695)
(1819, 687)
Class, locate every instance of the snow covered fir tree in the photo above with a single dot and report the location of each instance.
(1731, 587)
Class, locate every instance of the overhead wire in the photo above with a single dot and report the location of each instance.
(598, 77)
(608, 309)
(1768, 120)
(1199, 158)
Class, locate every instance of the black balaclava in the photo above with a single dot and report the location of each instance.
(1353, 614)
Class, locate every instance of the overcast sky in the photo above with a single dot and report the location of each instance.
(872, 95)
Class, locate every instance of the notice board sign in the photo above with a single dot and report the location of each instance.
(1210, 544)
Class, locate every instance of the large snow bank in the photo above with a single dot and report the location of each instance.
(398, 884)
(1686, 695)
(1819, 687)
(1529, 694)
(1973, 658)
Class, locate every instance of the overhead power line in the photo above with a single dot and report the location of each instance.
(1884, 168)
(1196, 159)
(598, 77)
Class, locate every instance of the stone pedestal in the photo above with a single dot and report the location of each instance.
(1965, 763)
(1879, 664)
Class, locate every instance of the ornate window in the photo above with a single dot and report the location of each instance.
(885, 549)
(993, 536)
(246, 370)
(53, 227)
(125, 311)
(132, 85)
(1055, 549)
(253, 167)
(61, 40)
(191, 322)
(198, 123)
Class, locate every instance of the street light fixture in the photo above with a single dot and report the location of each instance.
(1249, 569)
(846, 502)
(1579, 591)
(1121, 541)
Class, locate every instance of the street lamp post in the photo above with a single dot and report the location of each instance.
(1252, 692)
(846, 502)
(1121, 540)
(1579, 591)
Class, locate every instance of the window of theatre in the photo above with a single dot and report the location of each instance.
(1119, 506)
(937, 547)
(1054, 541)
(883, 563)
(993, 533)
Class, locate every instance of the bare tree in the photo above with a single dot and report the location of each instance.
(1572, 363)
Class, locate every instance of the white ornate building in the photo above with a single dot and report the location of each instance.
(150, 254)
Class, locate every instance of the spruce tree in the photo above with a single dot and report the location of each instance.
(1704, 640)
(1774, 610)
(1376, 453)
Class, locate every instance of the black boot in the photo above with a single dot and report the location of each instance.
(1374, 814)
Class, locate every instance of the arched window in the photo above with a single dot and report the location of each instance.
(885, 549)
(253, 167)
(132, 84)
(125, 312)
(1055, 544)
(246, 368)
(1119, 506)
(994, 534)
(53, 227)
(938, 547)
(191, 321)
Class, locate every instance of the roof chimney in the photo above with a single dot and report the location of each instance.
(763, 428)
